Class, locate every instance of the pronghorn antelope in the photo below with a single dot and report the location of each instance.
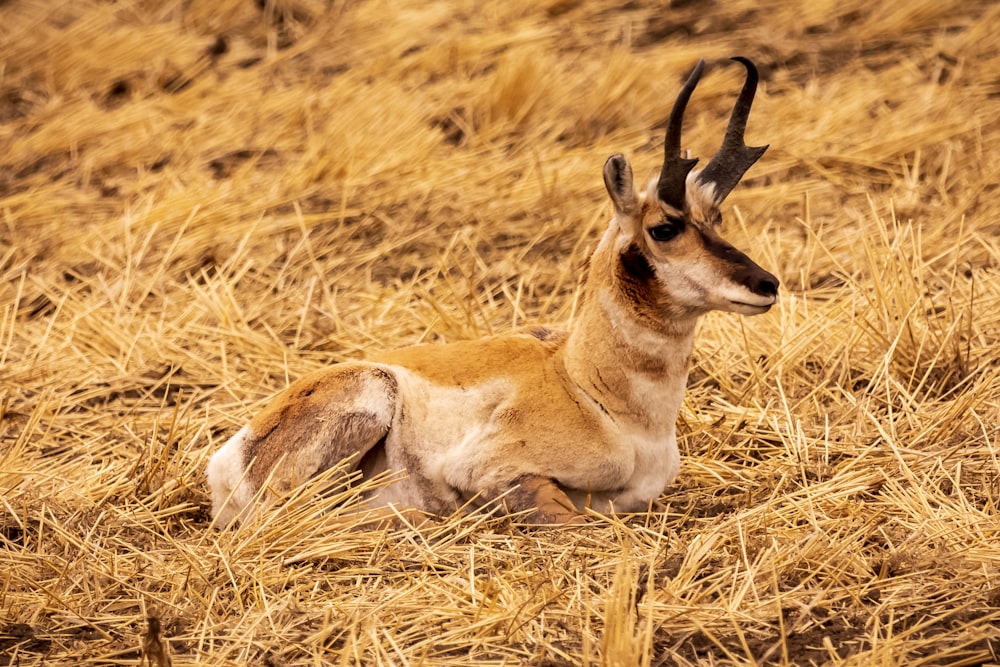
(544, 421)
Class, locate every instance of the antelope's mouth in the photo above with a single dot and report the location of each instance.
(744, 308)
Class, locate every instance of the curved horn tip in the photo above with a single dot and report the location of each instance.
(746, 62)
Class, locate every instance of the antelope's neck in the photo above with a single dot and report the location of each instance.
(636, 373)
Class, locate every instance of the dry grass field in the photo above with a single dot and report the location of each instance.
(202, 200)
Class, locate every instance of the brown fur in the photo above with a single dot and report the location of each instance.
(310, 411)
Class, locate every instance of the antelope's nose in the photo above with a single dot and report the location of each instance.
(757, 280)
(766, 285)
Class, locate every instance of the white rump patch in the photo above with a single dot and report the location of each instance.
(231, 492)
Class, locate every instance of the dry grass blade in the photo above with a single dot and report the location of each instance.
(200, 201)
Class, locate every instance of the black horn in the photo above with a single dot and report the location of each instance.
(673, 177)
(734, 157)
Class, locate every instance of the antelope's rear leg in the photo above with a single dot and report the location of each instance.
(312, 425)
(549, 503)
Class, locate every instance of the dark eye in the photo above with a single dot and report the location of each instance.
(667, 230)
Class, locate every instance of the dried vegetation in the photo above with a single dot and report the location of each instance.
(200, 200)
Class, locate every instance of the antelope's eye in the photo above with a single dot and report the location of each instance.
(667, 230)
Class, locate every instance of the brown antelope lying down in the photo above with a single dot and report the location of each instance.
(545, 421)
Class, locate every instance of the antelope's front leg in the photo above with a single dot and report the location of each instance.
(549, 503)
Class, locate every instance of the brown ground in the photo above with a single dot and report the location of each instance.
(201, 200)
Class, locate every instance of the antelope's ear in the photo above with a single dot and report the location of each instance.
(618, 181)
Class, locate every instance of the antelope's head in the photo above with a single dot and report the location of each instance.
(672, 262)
